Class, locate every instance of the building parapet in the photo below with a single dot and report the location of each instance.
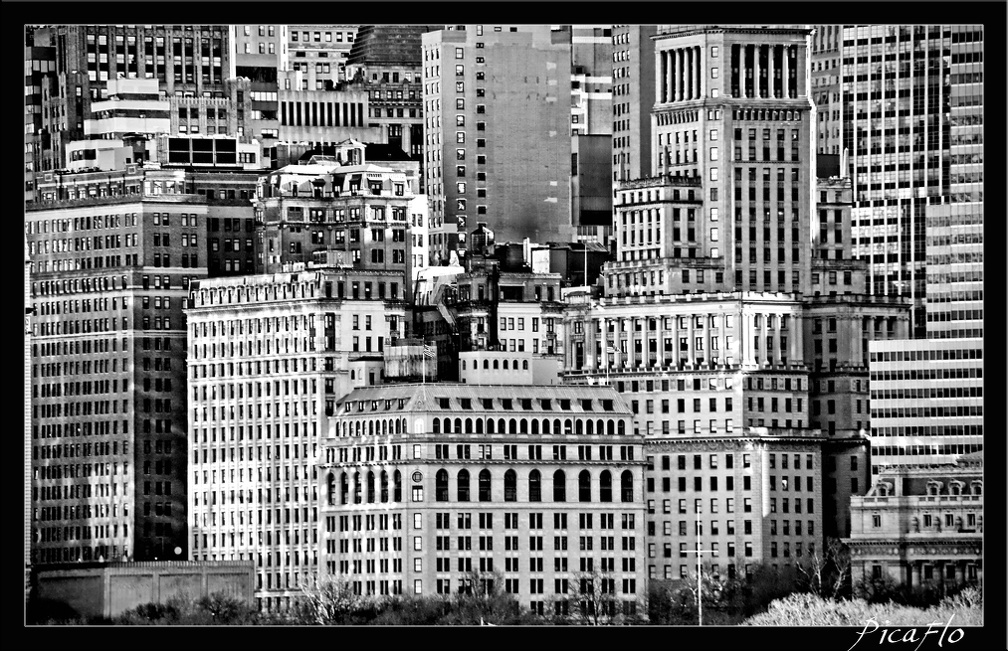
(664, 180)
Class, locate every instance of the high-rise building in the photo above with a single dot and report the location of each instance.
(903, 88)
(926, 400)
(320, 52)
(735, 304)
(40, 79)
(343, 209)
(269, 356)
(825, 73)
(387, 60)
(108, 422)
(633, 90)
(185, 59)
(260, 54)
(497, 106)
(734, 111)
(27, 383)
(432, 489)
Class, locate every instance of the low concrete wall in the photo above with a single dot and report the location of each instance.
(108, 589)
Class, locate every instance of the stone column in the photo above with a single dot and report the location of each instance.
(670, 75)
(785, 86)
(631, 354)
(690, 343)
(701, 74)
(772, 62)
(661, 340)
(662, 73)
(678, 76)
(675, 340)
(757, 50)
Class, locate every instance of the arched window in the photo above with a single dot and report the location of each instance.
(384, 427)
(496, 365)
(441, 486)
(621, 428)
(479, 425)
(523, 426)
(468, 425)
(626, 486)
(486, 364)
(510, 486)
(447, 426)
(397, 487)
(546, 426)
(559, 486)
(370, 487)
(505, 365)
(611, 428)
(484, 485)
(535, 486)
(568, 427)
(578, 426)
(458, 425)
(501, 426)
(344, 488)
(463, 485)
(357, 488)
(556, 426)
(584, 486)
(605, 486)
(490, 426)
(437, 426)
(370, 428)
(384, 486)
(589, 427)
(331, 485)
(600, 427)
(524, 364)
(512, 426)
(535, 425)
(400, 426)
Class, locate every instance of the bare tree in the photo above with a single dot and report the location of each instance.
(827, 573)
(330, 600)
(591, 598)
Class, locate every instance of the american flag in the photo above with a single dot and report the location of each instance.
(430, 351)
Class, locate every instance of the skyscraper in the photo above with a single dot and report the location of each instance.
(497, 104)
(269, 356)
(633, 93)
(108, 422)
(898, 88)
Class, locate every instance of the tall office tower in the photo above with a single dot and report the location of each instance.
(591, 131)
(439, 488)
(387, 60)
(926, 400)
(633, 80)
(321, 52)
(268, 358)
(185, 59)
(108, 381)
(825, 77)
(591, 78)
(955, 229)
(497, 108)
(897, 128)
(40, 68)
(260, 53)
(27, 417)
(344, 211)
(733, 113)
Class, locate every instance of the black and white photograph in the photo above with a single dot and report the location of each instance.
(526, 325)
